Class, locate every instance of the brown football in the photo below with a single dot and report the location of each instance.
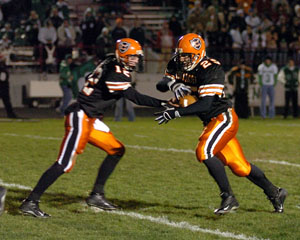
(187, 100)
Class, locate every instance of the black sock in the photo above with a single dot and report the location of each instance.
(106, 168)
(258, 177)
(45, 181)
(217, 171)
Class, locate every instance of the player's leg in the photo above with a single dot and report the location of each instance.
(77, 129)
(295, 103)
(233, 156)
(263, 101)
(272, 101)
(214, 137)
(102, 138)
(2, 199)
(119, 109)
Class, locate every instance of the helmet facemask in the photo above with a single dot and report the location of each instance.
(132, 62)
(187, 61)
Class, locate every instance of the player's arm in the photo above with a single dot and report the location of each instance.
(141, 99)
(198, 107)
(168, 82)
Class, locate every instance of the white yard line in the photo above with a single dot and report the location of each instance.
(159, 220)
(14, 185)
(154, 148)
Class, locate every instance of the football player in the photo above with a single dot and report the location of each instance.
(190, 71)
(110, 81)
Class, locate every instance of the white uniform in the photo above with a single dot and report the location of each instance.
(267, 73)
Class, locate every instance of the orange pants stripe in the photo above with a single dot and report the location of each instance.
(79, 130)
(218, 139)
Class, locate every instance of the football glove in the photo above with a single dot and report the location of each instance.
(180, 90)
(167, 115)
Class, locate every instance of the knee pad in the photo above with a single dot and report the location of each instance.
(241, 170)
(58, 167)
(199, 156)
(120, 151)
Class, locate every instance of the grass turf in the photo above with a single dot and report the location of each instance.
(153, 179)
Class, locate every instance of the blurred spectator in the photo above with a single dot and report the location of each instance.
(259, 44)
(47, 37)
(56, 19)
(137, 32)
(118, 32)
(88, 33)
(200, 30)
(119, 110)
(41, 7)
(271, 44)
(175, 27)
(66, 78)
(238, 20)
(165, 42)
(47, 34)
(104, 44)
(7, 31)
(241, 76)
(197, 16)
(237, 43)
(63, 9)
(224, 46)
(21, 37)
(197, 8)
(295, 49)
(212, 40)
(284, 39)
(252, 19)
(211, 18)
(267, 76)
(100, 23)
(264, 7)
(33, 24)
(266, 23)
(66, 39)
(280, 15)
(1, 14)
(4, 89)
(246, 5)
(33, 19)
(289, 75)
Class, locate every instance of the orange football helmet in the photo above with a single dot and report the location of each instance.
(190, 51)
(127, 48)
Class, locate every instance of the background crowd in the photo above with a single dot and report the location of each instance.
(232, 29)
(235, 31)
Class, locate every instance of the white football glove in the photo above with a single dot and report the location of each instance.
(180, 90)
(166, 116)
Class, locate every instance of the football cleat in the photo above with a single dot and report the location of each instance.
(278, 200)
(2, 199)
(99, 201)
(31, 207)
(228, 204)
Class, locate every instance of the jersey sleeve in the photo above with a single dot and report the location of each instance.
(141, 99)
(114, 86)
(169, 77)
(213, 84)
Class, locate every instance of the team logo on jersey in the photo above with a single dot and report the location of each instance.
(123, 46)
(196, 43)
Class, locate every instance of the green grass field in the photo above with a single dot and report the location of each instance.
(162, 189)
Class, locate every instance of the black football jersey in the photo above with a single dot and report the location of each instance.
(206, 80)
(106, 84)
